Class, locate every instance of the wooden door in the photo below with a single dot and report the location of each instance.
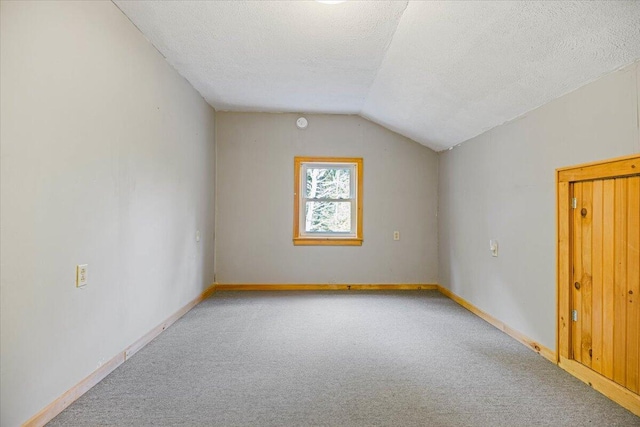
(605, 278)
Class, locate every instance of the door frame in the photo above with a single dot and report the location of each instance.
(612, 168)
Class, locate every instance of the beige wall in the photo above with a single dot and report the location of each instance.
(107, 158)
(500, 185)
(255, 202)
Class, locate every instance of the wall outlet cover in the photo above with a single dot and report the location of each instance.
(81, 275)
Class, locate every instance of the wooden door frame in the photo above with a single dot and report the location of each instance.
(612, 168)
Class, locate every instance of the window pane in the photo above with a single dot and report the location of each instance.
(328, 217)
(328, 183)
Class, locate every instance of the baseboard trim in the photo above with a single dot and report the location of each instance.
(149, 336)
(613, 391)
(61, 403)
(322, 287)
(543, 351)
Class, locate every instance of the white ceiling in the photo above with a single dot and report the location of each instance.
(439, 72)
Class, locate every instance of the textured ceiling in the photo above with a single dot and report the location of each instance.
(437, 72)
(272, 55)
(457, 69)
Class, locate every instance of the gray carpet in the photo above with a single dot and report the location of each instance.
(345, 358)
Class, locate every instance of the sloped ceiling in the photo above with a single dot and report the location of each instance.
(439, 72)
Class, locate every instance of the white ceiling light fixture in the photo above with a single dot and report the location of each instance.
(331, 1)
(302, 123)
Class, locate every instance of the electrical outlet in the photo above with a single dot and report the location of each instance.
(81, 275)
(197, 235)
(396, 235)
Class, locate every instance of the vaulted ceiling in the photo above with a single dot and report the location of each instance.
(439, 72)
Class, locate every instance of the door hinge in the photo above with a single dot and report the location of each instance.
(574, 203)
(574, 315)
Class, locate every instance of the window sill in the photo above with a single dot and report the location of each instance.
(327, 241)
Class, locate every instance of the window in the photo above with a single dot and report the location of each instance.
(327, 208)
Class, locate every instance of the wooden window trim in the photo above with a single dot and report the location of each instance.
(303, 240)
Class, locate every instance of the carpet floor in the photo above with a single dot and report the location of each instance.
(345, 358)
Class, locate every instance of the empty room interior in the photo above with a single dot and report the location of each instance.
(328, 213)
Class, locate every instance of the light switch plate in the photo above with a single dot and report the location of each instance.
(81, 275)
(493, 247)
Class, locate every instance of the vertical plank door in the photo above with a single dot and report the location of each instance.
(605, 297)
